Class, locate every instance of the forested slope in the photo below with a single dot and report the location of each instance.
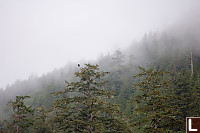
(164, 91)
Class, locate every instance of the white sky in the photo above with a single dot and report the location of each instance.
(37, 36)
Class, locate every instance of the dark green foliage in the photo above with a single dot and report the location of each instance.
(85, 107)
(188, 88)
(22, 117)
(41, 123)
(154, 106)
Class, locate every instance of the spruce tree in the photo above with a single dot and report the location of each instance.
(85, 106)
(41, 123)
(22, 117)
(116, 82)
(154, 108)
(188, 89)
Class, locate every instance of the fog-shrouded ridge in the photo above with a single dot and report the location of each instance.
(153, 47)
(178, 40)
(38, 36)
(169, 50)
(150, 49)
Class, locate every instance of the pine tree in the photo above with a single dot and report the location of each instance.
(84, 106)
(154, 108)
(22, 117)
(41, 123)
(188, 88)
(118, 59)
(116, 82)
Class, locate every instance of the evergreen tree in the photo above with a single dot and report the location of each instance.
(116, 82)
(118, 59)
(22, 117)
(188, 89)
(154, 106)
(41, 123)
(85, 107)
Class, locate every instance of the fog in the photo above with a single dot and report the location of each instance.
(40, 35)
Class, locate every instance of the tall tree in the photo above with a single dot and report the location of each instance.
(22, 117)
(116, 82)
(84, 106)
(153, 102)
(118, 59)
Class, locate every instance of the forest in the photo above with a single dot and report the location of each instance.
(149, 88)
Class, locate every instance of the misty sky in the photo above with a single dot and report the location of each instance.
(37, 36)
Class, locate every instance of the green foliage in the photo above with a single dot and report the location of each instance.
(41, 123)
(188, 88)
(156, 95)
(22, 117)
(153, 105)
(85, 107)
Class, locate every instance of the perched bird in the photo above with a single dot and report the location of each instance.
(78, 65)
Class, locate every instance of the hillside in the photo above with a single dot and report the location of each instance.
(177, 54)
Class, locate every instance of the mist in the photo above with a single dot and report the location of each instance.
(38, 36)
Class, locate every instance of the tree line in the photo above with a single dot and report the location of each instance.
(156, 97)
